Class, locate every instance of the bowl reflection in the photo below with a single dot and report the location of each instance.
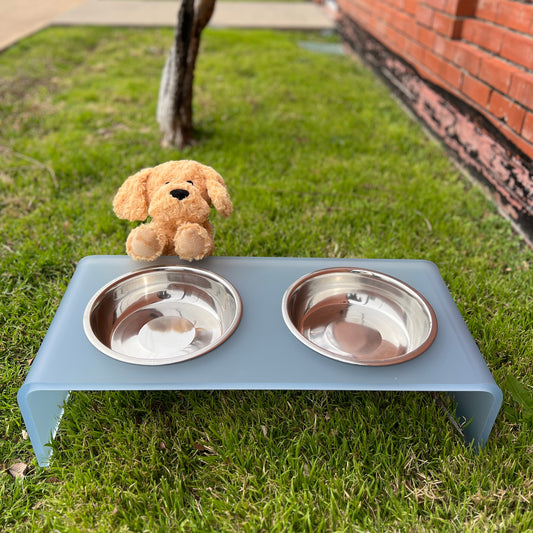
(359, 316)
(161, 315)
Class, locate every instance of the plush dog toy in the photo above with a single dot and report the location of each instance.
(177, 195)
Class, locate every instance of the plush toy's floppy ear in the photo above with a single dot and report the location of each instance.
(216, 188)
(131, 200)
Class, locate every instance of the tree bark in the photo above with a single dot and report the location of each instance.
(174, 106)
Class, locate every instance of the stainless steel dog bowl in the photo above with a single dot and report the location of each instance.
(161, 315)
(359, 316)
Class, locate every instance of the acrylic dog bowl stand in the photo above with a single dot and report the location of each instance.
(261, 354)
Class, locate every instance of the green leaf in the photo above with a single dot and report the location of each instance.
(520, 395)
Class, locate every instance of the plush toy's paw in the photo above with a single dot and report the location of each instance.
(193, 242)
(143, 244)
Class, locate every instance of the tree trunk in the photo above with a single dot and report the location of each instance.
(174, 106)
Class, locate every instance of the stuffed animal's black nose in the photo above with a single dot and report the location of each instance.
(180, 194)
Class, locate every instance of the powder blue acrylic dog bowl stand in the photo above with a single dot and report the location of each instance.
(262, 353)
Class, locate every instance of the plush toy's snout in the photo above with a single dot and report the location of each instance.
(177, 195)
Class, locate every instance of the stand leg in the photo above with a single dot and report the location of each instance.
(42, 411)
(478, 410)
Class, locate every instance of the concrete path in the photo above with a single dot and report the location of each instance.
(20, 18)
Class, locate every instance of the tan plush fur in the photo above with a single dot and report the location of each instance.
(177, 195)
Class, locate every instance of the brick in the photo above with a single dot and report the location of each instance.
(397, 40)
(519, 141)
(447, 25)
(437, 4)
(364, 20)
(416, 52)
(401, 21)
(460, 8)
(424, 15)
(487, 10)
(466, 8)
(409, 27)
(515, 15)
(429, 75)
(432, 61)
(451, 75)
(425, 37)
(485, 35)
(521, 89)
(507, 111)
(468, 57)
(384, 12)
(476, 90)
(468, 32)
(496, 73)
(353, 9)
(445, 47)
(410, 6)
(527, 128)
(518, 49)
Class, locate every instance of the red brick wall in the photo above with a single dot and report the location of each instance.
(481, 51)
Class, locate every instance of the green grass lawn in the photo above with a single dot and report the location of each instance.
(320, 161)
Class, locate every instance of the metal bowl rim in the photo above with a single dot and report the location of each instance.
(95, 341)
(375, 273)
